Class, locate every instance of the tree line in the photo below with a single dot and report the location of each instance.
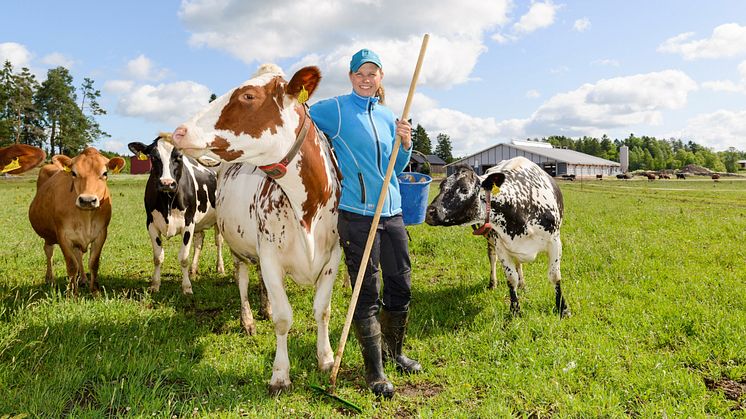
(645, 153)
(53, 115)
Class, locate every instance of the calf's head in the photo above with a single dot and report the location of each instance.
(460, 199)
(253, 122)
(89, 171)
(18, 158)
(167, 162)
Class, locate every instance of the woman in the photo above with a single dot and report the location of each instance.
(362, 131)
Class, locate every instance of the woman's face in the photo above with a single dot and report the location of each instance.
(366, 80)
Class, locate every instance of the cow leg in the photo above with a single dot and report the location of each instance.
(93, 262)
(220, 267)
(511, 269)
(492, 255)
(186, 247)
(282, 317)
(265, 309)
(247, 319)
(555, 257)
(521, 282)
(158, 254)
(82, 279)
(322, 310)
(71, 264)
(49, 252)
(199, 239)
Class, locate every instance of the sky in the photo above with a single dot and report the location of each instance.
(494, 71)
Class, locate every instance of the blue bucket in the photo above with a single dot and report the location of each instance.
(414, 188)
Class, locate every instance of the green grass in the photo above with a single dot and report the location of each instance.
(654, 273)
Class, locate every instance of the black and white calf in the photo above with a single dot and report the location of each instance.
(179, 199)
(520, 207)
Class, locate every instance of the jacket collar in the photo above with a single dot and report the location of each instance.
(363, 101)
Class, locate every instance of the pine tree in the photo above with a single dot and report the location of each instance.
(56, 100)
(443, 149)
(421, 141)
(89, 103)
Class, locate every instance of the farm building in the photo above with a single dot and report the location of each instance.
(555, 161)
(419, 161)
(741, 164)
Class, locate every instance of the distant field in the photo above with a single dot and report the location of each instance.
(654, 273)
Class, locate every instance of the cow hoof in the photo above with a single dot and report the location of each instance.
(187, 291)
(276, 389)
(154, 288)
(250, 329)
(565, 313)
(326, 365)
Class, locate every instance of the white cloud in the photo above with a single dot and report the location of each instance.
(533, 94)
(142, 68)
(168, 104)
(612, 103)
(607, 62)
(582, 25)
(17, 54)
(727, 40)
(728, 85)
(719, 130)
(540, 15)
(118, 86)
(57, 59)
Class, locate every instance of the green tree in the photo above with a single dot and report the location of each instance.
(421, 141)
(90, 107)
(57, 102)
(443, 148)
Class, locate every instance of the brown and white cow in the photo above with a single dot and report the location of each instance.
(72, 208)
(18, 158)
(523, 218)
(277, 196)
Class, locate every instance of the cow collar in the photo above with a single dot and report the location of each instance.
(487, 226)
(278, 170)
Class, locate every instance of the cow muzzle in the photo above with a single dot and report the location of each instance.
(87, 202)
(167, 185)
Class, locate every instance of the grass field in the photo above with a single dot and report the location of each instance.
(654, 273)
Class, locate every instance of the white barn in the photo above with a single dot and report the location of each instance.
(555, 161)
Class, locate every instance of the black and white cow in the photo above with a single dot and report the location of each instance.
(179, 199)
(523, 218)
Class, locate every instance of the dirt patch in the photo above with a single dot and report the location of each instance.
(733, 390)
(419, 390)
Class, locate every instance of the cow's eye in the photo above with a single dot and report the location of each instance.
(72, 172)
(248, 96)
(463, 190)
(105, 174)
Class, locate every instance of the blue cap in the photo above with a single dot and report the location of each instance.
(364, 56)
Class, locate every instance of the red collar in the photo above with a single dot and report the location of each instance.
(278, 170)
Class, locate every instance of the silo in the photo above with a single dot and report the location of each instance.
(624, 158)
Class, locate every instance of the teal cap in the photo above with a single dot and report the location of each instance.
(364, 56)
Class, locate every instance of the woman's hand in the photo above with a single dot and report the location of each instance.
(404, 130)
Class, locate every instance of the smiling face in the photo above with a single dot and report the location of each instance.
(366, 80)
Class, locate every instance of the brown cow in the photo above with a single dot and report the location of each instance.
(18, 158)
(72, 208)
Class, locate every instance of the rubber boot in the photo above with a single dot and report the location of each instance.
(394, 327)
(368, 334)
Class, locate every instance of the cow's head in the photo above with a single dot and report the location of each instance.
(253, 122)
(458, 202)
(167, 162)
(18, 158)
(89, 171)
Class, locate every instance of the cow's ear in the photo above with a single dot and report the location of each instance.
(494, 179)
(62, 161)
(115, 164)
(136, 148)
(304, 83)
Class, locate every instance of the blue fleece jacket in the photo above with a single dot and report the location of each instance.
(362, 133)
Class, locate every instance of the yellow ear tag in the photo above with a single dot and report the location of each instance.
(303, 95)
(118, 169)
(67, 169)
(13, 165)
(141, 156)
(495, 190)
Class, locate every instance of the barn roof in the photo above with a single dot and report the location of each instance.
(431, 158)
(559, 154)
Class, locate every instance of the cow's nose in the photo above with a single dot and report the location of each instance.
(87, 201)
(167, 185)
(179, 134)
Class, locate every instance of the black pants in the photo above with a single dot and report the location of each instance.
(390, 251)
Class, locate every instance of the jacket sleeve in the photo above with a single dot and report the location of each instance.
(325, 114)
(402, 159)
